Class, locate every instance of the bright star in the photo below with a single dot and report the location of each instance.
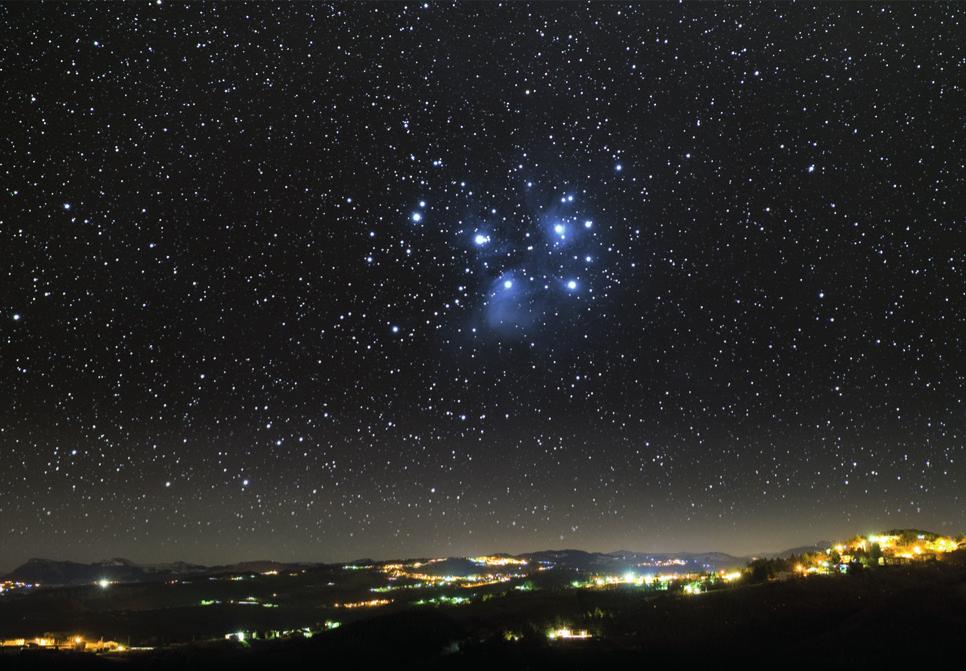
(417, 217)
(572, 284)
(618, 167)
(16, 317)
(395, 329)
(479, 239)
(507, 284)
(66, 206)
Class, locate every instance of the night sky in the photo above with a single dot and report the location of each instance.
(325, 282)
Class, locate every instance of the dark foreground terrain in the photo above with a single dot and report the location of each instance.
(887, 617)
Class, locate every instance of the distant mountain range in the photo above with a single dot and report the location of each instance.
(626, 560)
(54, 572)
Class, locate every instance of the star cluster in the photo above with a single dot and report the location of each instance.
(327, 281)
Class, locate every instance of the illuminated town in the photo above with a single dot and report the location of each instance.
(70, 643)
(891, 548)
(9, 586)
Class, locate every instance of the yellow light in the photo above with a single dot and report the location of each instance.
(567, 633)
(372, 603)
(498, 561)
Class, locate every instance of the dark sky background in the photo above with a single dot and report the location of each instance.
(324, 282)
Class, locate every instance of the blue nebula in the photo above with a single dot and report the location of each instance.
(510, 306)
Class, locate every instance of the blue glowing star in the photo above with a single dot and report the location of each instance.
(395, 329)
(417, 217)
(572, 284)
(560, 230)
(588, 223)
(507, 284)
(479, 239)
(618, 167)
(66, 206)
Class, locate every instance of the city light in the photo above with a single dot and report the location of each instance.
(489, 560)
(876, 549)
(371, 603)
(566, 633)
